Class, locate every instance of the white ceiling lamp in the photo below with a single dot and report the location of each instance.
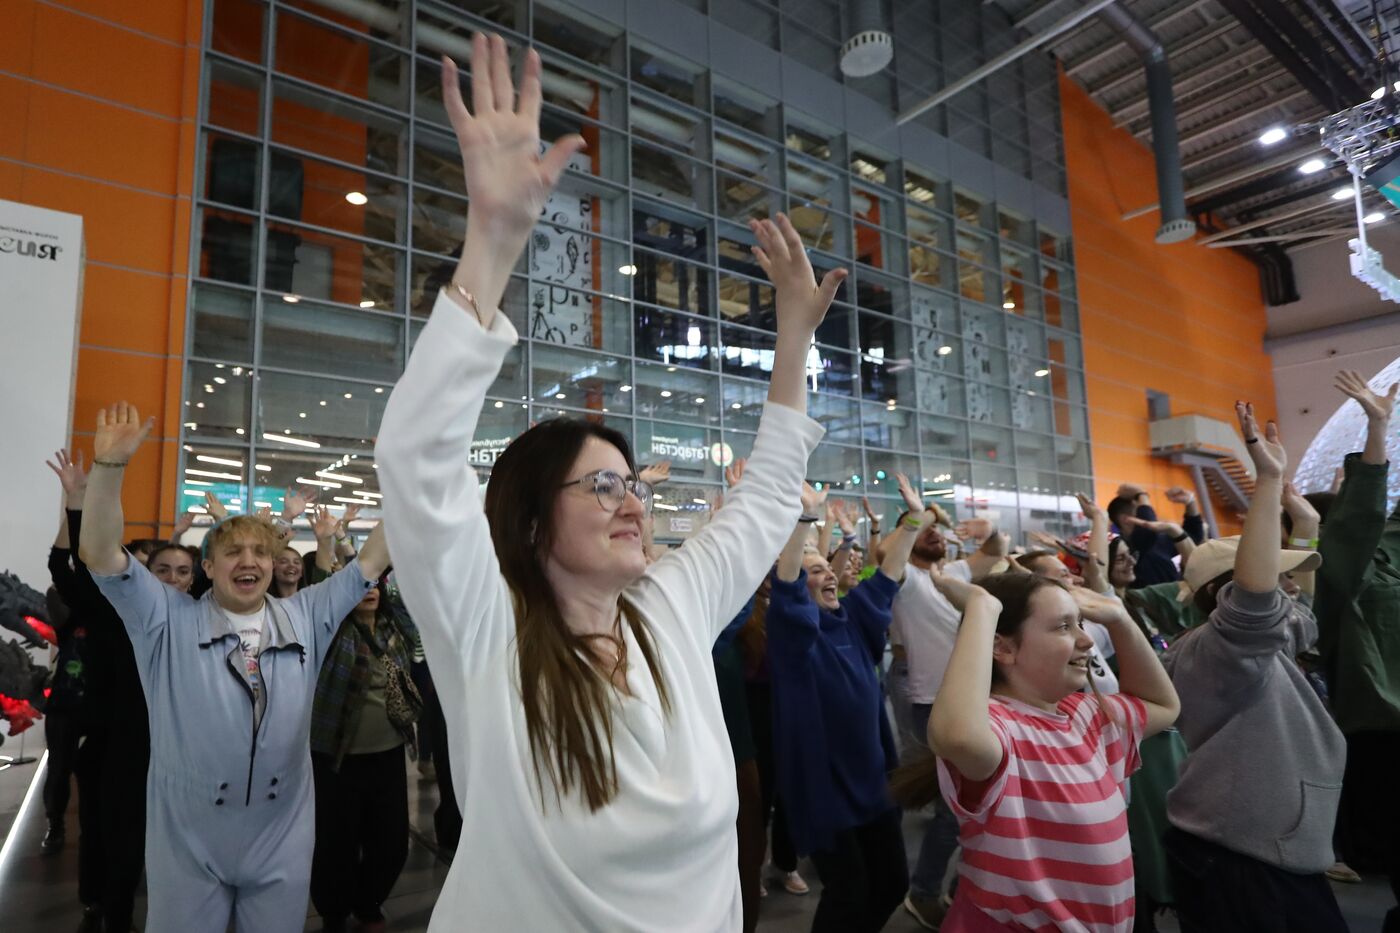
(287, 439)
(356, 198)
(340, 476)
(1341, 194)
(221, 461)
(1312, 166)
(1374, 217)
(324, 484)
(628, 269)
(1273, 135)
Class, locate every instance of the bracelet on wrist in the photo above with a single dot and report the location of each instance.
(1180, 538)
(912, 523)
(114, 464)
(470, 300)
(807, 519)
(1303, 544)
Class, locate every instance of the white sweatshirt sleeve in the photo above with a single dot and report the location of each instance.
(437, 532)
(703, 583)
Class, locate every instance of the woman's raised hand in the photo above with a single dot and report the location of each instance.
(120, 433)
(507, 178)
(802, 303)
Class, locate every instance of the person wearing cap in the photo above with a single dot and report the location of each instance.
(1358, 614)
(1253, 810)
(229, 682)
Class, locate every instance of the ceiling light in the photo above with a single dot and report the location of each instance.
(561, 395)
(944, 350)
(219, 460)
(262, 505)
(670, 369)
(318, 482)
(197, 482)
(665, 393)
(290, 299)
(619, 388)
(262, 467)
(356, 198)
(736, 406)
(239, 431)
(1374, 217)
(348, 395)
(1042, 372)
(191, 425)
(1378, 93)
(340, 476)
(198, 404)
(351, 501)
(294, 441)
(301, 414)
(500, 404)
(699, 399)
(212, 474)
(1274, 134)
(208, 388)
(370, 495)
(1008, 306)
(1341, 194)
(323, 403)
(1312, 166)
(628, 269)
(367, 303)
(220, 380)
(378, 390)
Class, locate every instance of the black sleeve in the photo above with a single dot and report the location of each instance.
(1195, 526)
(1142, 539)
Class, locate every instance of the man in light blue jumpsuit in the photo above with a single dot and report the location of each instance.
(230, 817)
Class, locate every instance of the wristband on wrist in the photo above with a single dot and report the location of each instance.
(115, 464)
(806, 519)
(846, 544)
(912, 523)
(470, 299)
(1305, 544)
(1180, 538)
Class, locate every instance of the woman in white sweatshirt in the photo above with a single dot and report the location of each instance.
(587, 744)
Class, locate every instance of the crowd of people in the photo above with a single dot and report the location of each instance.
(1082, 732)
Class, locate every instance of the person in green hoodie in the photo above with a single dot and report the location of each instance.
(1358, 614)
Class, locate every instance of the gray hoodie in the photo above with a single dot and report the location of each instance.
(1264, 770)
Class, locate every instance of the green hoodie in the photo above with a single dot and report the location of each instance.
(1358, 602)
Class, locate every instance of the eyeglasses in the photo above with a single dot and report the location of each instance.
(612, 488)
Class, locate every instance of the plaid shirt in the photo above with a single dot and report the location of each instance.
(340, 692)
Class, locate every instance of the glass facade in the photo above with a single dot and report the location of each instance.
(330, 204)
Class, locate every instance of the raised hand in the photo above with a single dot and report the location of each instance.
(1130, 491)
(1047, 541)
(836, 511)
(70, 473)
(120, 433)
(182, 524)
(735, 472)
(912, 501)
(1091, 509)
(1170, 529)
(656, 473)
(295, 501)
(870, 513)
(264, 514)
(324, 524)
(507, 178)
(975, 529)
(1180, 495)
(1096, 607)
(1300, 510)
(1376, 407)
(214, 507)
(802, 303)
(1264, 448)
(960, 593)
(813, 500)
(352, 512)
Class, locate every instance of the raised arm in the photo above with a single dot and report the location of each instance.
(1140, 673)
(1377, 408)
(1307, 526)
(790, 560)
(992, 552)
(836, 512)
(1356, 520)
(900, 544)
(1174, 533)
(1191, 519)
(1096, 567)
(959, 727)
(1256, 562)
(120, 432)
(872, 545)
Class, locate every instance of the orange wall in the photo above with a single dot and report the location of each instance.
(1182, 319)
(98, 106)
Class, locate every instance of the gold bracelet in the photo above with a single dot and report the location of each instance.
(470, 299)
(116, 464)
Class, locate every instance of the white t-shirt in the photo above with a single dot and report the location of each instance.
(1099, 670)
(252, 638)
(926, 624)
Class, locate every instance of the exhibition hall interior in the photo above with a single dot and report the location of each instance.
(699, 465)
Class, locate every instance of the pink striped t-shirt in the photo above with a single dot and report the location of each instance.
(1045, 839)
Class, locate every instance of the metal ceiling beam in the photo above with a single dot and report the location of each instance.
(1215, 100)
(1005, 58)
(1191, 43)
(1261, 186)
(1264, 27)
(1222, 181)
(1329, 66)
(1073, 68)
(1231, 119)
(1219, 72)
(1020, 21)
(1264, 222)
(1247, 140)
(1282, 238)
(1344, 33)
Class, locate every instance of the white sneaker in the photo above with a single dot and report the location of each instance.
(793, 884)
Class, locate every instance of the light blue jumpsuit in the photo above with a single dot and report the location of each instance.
(230, 813)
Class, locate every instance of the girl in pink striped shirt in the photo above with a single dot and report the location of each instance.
(1032, 765)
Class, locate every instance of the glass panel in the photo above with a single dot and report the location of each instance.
(942, 437)
(970, 209)
(983, 324)
(747, 301)
(940, 477)
(1017, 269)
(500, 423)
(1054, 245)
(975, 281)
(835, 466)
(675, 339)
(743, 403)
(217, 400)
(347, 200)
(936, 351)
(663, 174)
(741, 200)
(666, 281)
(310, 264)
(578, 319)
(928, 267)
(337, 129)
(232, 171)
(838, 414)
(921, 186)
(821, 229)
(672, 76)
(289, 406)
(886, 349)
(1074, 455)
(1029, 374)
(882, 293)
(743, 107)
(236, 28)
(691, 450)
(561, 255)
(1015, 227)
(883, 250)
(867, 165)
(930, 229)
(1035, 451)
(940, 394)
(430, 273)
(991, 444)
(220, 471)
(676, 394)
(316, 338)
(223, 323)
(235, 98)
(341, 61)
(227, 246)
(876, 208)
(437, 160)
(439, 222)
(510, 381)
(591, 381)
(1025, 337)
(988, 403)
(889, 427)
(815, 185)
(997, 484)
(749, 353)
(934, 310)
(606, 155)
(590, 38)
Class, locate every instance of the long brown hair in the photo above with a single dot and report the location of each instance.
(566, 697)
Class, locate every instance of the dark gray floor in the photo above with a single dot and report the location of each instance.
(38, 894)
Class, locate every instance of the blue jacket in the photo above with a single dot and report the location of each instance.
(832, 744)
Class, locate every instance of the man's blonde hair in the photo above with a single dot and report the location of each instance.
(241, 526)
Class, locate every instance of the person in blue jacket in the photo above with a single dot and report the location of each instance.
(833, 746)
(229, 682)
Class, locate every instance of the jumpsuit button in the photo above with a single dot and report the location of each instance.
(272, 796)
(219, 802)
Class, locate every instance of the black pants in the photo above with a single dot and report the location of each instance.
(447, 818)
(112, 765)
(62, 730)
(423, 680)
(1220, 891)
(864, 878)
(760, 702)
(1370, 808)
(361, 833)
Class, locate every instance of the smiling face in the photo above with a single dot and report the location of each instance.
(173, 566)
(286, 569)
(239, 567)
(850, 574)
(821, 582)
(590, 540)
(1048, 659)
(1123, 567)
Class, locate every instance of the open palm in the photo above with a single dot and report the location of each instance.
(508, 180)
(1265, 449)
(1377, 407)
(120, 432)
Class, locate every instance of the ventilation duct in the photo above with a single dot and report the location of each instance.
(870, 46)
(1166, 150)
